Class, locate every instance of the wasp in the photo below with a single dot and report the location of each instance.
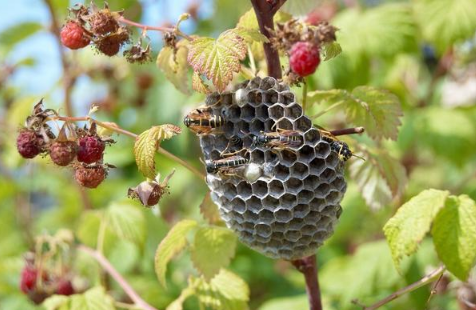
(280, 139)
(340, 147)
(203, 121)
(225, 165)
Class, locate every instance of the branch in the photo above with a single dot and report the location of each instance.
(347, 131)
(106, 265)
(422, 282)
(265, 11)
(308, 267)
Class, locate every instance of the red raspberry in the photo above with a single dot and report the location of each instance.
(73, 36)
(29, 144)
(63, 152)
(28, 279)
(91, 149)
(65, 287)
(304, 58)
(90, 177)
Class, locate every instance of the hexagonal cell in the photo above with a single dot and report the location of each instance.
(232, 114)
(238, 205)
(293, 111)
(227, 207)
(229, 190)
(334, 197)
(306, 154)
(276, 111)
(243, 127)
(247, 112)
(270, 203)
(270, 156)
(301, 210)
(300, 248)
(320, 235)
(300, 170)
(313, 217)
(322, 149)
(276, 188)
(317, 165)
(270, 97)
(261, 112)
(247, 141)
(312, 136)
(317, 204)
(227, 128)
(286, 97)
(293, 185)
(282, 172)
(296, 224)
(287, 201)
(303, 123)
(328, 175)
(260, 188)
(339, 183)
(310, 182)
(255, 97)
(286, 253)
(237, 217)
(322, 190)
(253, 204)
(243, 189)
(263, 230)
(254, 83)
(215, 155)
(308, 229)
(305, 196)
(266, 216)
(288, 157)
(262, 240)
(280, 227)
(339, 211)
(275, 243)
(227, 99)
(284, 123)
(250, 217)
(332, 160)
(246, 236)
(269, 125)
(257, 157)
(330, 210)
(283, 215)
(221, 142)
(292, 235)
(268, 82)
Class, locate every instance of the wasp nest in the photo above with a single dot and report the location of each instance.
(286, 202)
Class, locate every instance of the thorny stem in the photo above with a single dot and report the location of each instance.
(422, 282)
(162, 29)
(308, 267)
(106, 265)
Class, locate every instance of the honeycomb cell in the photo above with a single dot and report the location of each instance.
(313, 217)
(292, 235)
(280, 227)
(333, 197)
(283, 215)
(221, 142)
(322, 190)
(266, 216)
(281, 172)
(253, 204)
(317, 165)
(284, 123)
(247, 113)
(276, 111)
(255, 97)
(244, 190)
(215, 155)
(276, 188)
(237, 217)
(250, 217)
(332, 160)
(261, 113)
(260, 189)
(263, 230)
(271, 97)
(288, 158)
(296, 224)
(270, 156)
(226, 99)
(285, 253)
(269, 125)
(310, 182)
(229, 190)
(238, 205)
(244, 126)
(246, 237)
(339, 183)
(267, 83)
(312, 137)
(293, 111)
(305, 196)
(232, 114)
(288, 201)
(306, 154)
(323, 149)
(303, 123)
(301, 210)
(293, 185)
(286, 97)
(328, 175)
(317, 204)
(300, 170)
(254, 83)
(257, 157)
(270, 203)
(247, 142)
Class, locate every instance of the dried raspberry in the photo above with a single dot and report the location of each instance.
(63, 152)
(29, 143)
(73, 36)
(28, 279)
(90, 177)
(65, 287)
(103, 22)
(111, 43)
(91, 149)
(148, 193)
(304, 58)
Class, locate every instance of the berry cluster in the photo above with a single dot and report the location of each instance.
(101, 28)
(81, 149)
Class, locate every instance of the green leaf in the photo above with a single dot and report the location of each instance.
(300, 302)
(171, 245)
(147, 144)
(331, 96)
(209, 210)
(199, 85)
(331, 50)
(93, 299)
(251, 35)
(17, 33)
(174, 65)
(218, 59)
(212, 249)
(177, 304)
(444, 22)
(56, 302)
(454, 235)
(407, 228)
(380, 177)
(127, 222)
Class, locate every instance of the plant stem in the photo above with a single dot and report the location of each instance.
(347, 131)
(175, 30)
(308, 267)
(422, 282)
(304, 96)
(106, 265)
(335, 105)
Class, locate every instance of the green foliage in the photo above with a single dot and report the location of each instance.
(127, 222)
(175, 67)
(331, 50)
(212, 249)
(93, 299)
(209, 210)
(17, 33)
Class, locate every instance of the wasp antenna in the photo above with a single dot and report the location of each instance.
(359, 157)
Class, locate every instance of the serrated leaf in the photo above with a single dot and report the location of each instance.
(175, 66)
(209, 210)
(171, 245)
(147, 144)
(127, 222)
(446, 22)
(56, 302)
(380, 177)
(331, 50)
(217, 59)
(93, 299)
(250, 35)
(199, 85)
(212, 249)
(177, 304)
(331, 96)
(407, 228)
(454, 235)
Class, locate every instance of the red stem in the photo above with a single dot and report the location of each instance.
(308, 267)
(347, 131)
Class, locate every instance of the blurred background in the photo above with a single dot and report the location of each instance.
(424, 51)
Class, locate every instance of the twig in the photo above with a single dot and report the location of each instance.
(308, 267)
(106, 265)
(304, 96)
(422, 282)
(162, 29)
(347, 131)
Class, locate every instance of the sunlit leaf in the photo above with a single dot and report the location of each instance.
(250, 35)
(454, 235)
(209, 210)
(199, 85)
(217, 59)
(177, 304)
(175, 66)
(147, 144)
(331, 50)
(407, 228)
(212, 249)
(171, 245)
(93, 299)
(127, 222)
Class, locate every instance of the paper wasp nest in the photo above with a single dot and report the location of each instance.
(291, 209)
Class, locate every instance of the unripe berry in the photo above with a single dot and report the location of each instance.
(62, 153)
(29, 143)
(91, 149)
(304, 58)
(65, 287)
(73, 36)
(28, 279)
(90, 177)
